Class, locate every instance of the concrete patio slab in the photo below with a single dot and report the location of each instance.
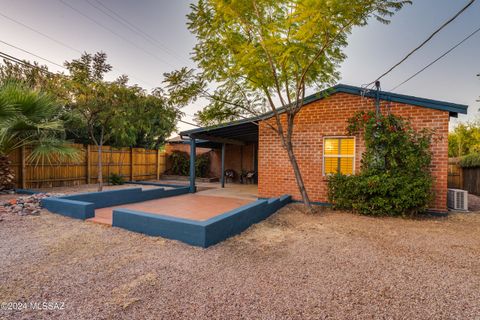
(189, 206)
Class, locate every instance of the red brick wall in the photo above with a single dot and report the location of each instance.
(327, 117)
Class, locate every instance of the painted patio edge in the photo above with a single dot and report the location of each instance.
(199, 233)
(82, 205)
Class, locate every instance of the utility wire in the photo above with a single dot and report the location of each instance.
(67, 46)
(23, 62)
(117, 17)
(33, 54)
(115, 33)
(437, 59)
(424, 42)
(40, 33)
(192, 124)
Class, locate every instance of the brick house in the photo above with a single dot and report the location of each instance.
(320, 142)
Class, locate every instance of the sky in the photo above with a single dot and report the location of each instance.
(145, 38)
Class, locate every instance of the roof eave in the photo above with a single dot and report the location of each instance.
(452, 108)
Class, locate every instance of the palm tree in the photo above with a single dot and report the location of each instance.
(29, 118)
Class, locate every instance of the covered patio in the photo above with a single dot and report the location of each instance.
(238, 140)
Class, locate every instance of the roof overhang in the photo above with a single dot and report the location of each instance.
(246, 130)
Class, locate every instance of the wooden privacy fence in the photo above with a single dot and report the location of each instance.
(463, 178)
(455, 174)
(130, 163)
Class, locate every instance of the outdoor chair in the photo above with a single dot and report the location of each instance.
(250, 177)
(229, 174)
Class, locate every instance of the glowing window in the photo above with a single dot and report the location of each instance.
(338, 155)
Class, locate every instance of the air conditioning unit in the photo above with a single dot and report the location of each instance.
(457, 199)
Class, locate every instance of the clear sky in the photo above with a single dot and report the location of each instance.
(165, 43)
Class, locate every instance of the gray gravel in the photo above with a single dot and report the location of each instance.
(329, 265)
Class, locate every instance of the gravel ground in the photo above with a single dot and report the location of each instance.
(473, 202)
(330, 265)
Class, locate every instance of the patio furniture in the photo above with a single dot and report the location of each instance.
(250, 177)
(230, 174)
(247, 176)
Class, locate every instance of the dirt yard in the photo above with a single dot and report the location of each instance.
(330, 265)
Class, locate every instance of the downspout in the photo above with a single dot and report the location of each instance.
(377, 98)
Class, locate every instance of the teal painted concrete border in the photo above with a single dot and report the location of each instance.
(26, 191)
(199, 233)
(148, 183)
(83, 205)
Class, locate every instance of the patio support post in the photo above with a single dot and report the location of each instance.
(222, 179)
(192, 165)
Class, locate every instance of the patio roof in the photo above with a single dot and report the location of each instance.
(246, 130)
(236, 132)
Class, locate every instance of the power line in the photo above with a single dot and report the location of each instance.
(186, 122)
(117, 17)
(23, 62)
(33, 54)
(424, 42)
(115, 33)
(40, 33)
(67, 46)
(437, 59)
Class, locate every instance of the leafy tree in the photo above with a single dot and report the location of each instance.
(113, 111)
(267, 53)
(36, 78)
(29, 118)
(97, 111)
(98, 102)
(464, 139)
(216, 113)
(154, 120)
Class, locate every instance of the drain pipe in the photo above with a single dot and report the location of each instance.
(377, 98)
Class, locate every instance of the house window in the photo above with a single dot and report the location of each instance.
(338, 155)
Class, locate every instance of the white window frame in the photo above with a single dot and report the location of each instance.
(338, 155)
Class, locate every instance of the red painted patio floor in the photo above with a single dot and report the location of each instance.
(189, 206)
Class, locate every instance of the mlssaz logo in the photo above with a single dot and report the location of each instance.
(47, 305)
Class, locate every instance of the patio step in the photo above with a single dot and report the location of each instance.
(101, 220)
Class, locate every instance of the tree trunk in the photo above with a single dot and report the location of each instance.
(99, 167)
(7, 175)
(298, 175)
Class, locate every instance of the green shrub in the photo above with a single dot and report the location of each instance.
(384, 194)
(115, 179)
(394, 179)
(202, 165)
(180, 162)
(470, 161)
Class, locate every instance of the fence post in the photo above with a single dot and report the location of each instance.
(461, 182)
(158, 164)
(131, 164)
(23, 183)
(89, 165)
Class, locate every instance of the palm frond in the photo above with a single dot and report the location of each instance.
(52, 149)
(31, 119)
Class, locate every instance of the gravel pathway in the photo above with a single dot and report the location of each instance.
(330, 265)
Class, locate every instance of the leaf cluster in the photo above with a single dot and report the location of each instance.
(395, 179)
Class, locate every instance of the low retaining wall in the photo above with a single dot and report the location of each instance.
(199, 233)
(83, 205)
(159, 184)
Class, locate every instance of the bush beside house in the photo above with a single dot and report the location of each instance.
(394, 178)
